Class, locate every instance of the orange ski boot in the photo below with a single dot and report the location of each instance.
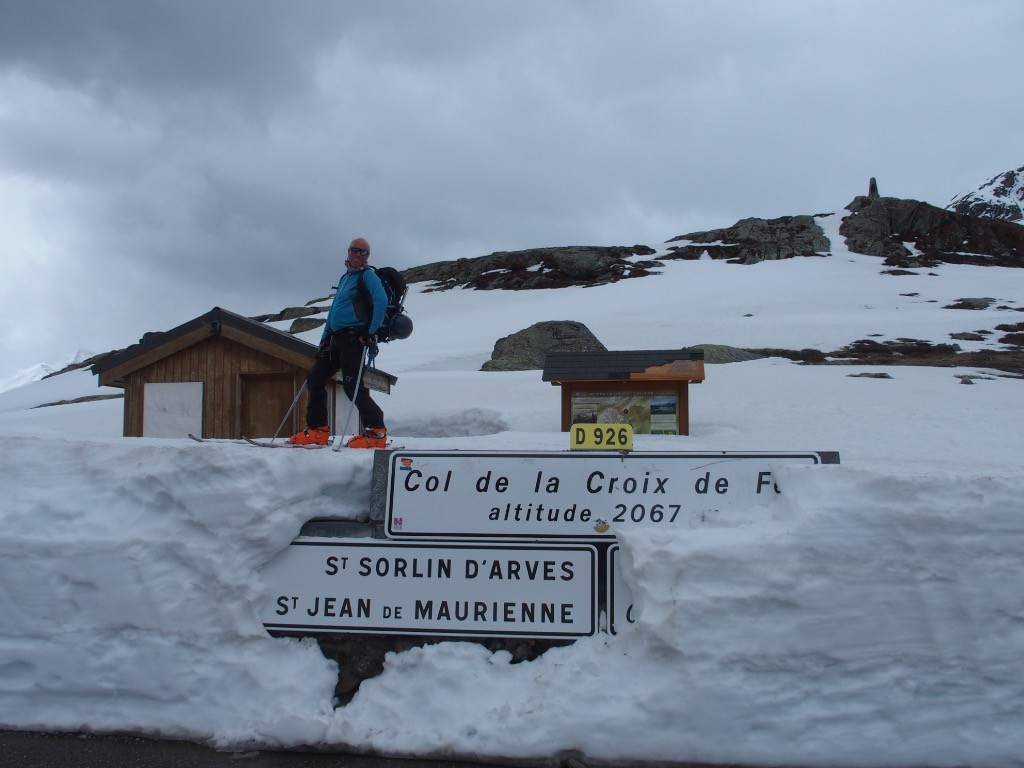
(371, 438)
(311, 436)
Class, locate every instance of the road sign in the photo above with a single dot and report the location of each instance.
(601, 437)
(571, 495)
(362, 585)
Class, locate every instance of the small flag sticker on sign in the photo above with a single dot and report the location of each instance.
(601, 437)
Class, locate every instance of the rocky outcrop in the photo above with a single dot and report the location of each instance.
(753, 240)
(718, 354)
(525, 350)
(303, 324)
(909, 233)
(906, 233)
(536, 268)
(1001, 197)
(293, 313)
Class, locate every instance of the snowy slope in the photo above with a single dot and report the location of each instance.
(873, 615)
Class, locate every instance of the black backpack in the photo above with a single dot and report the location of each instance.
(396, 324)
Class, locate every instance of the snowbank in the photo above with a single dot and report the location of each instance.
(866, 618)
(873, 616)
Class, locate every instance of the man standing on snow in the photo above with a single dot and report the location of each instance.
(349, 335)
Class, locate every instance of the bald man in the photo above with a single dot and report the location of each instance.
(352, 323)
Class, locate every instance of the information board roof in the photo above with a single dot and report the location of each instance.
(667, 364)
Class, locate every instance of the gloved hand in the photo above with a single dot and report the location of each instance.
(368, 339)
(324, 350)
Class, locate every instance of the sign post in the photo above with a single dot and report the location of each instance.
(504, 544)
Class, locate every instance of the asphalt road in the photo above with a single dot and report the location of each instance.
(23, 749)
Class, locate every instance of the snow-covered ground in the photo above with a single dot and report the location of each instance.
(873, 615)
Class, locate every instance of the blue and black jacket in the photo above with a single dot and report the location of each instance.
(349, 309)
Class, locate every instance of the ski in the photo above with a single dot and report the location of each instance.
(286, 444)
(228, 440)
(283, 444)
(252, 441)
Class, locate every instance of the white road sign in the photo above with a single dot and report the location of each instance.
(527, 495)
(363, 585)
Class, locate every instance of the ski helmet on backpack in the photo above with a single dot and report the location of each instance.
(401, 326)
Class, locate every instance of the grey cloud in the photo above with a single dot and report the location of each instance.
(255, 50)
(229, 149)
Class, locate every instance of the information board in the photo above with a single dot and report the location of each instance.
(571, 495)
(362, 585)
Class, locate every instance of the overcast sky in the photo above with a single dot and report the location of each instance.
(161, 158)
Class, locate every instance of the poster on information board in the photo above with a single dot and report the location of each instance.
(648, 413)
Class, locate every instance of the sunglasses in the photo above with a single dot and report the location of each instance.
(360, 251)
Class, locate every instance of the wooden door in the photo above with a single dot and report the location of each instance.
(264, 398)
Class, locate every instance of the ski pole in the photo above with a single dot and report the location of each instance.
(352, 406)
(290, 409)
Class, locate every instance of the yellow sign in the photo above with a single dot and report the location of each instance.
(601, 437)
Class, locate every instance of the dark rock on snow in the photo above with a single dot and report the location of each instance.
(716, 354)
(303, 324)
(291, 313)
(979, 303)
(525, 350)
(888, 226)
(752, 240)
(536, 268)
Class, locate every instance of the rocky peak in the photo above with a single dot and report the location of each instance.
(909, 233)
(536, 268)
(525, 350)
(749, 241)
(1001, 197)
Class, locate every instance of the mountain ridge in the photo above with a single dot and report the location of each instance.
(906, 234)
(1001, 197)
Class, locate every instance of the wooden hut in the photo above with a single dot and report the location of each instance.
(220, 375)
(647, 389)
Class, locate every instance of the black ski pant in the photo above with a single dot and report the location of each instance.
(344, 353)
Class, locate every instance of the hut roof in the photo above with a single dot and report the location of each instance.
(155, 346)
